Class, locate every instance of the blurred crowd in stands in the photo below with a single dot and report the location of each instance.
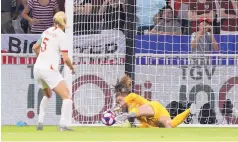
(171, 17)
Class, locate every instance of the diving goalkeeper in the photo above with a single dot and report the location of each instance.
(149, 113)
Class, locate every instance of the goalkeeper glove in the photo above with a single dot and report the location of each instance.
(124, 116)
(114, 110)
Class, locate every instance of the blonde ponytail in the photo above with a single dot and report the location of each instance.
(60, 19)
(123, 86)
(126, 81)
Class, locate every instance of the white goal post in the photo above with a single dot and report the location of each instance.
(69, 31)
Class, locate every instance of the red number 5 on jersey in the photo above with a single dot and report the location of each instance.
(43, 48)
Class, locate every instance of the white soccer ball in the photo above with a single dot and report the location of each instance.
(108, 118)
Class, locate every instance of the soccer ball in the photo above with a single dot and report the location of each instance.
(108, 118)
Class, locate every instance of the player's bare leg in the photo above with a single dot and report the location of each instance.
(147, 110)
(47, 93)
(180, 118)
(66, 110)
(165, 121)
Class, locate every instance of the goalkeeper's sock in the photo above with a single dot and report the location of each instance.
(180, 118)
(43, 108)
(66, 112)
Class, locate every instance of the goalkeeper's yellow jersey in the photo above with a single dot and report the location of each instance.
(134, 101)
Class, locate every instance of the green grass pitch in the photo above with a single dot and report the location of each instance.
(29, 133)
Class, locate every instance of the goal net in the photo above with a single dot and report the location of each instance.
(151, 42)
(99, 57)
(136, 37)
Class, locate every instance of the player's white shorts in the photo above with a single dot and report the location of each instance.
(47, 78)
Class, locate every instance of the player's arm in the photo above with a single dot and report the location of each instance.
(36, 47)
(103, 7)
(56, 7)
(145, 110)
(64, 52)
(195, 39)
(214, 44)
(67, 60)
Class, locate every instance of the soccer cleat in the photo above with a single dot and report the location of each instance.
(193, 109)
(64, 128)
(189, 119)
(39, 126)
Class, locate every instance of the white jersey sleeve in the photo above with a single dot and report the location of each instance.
(63, 43)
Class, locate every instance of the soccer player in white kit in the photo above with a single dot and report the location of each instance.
(49, 48)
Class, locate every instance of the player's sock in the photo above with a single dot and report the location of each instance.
(43, 108)
(66, 112)
(180, 118)
(70, 112)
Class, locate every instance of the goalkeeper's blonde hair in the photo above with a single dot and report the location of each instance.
(60, 19)
(126, 81)
(123, 87)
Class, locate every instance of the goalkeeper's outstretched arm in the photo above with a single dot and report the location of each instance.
(142, 111)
